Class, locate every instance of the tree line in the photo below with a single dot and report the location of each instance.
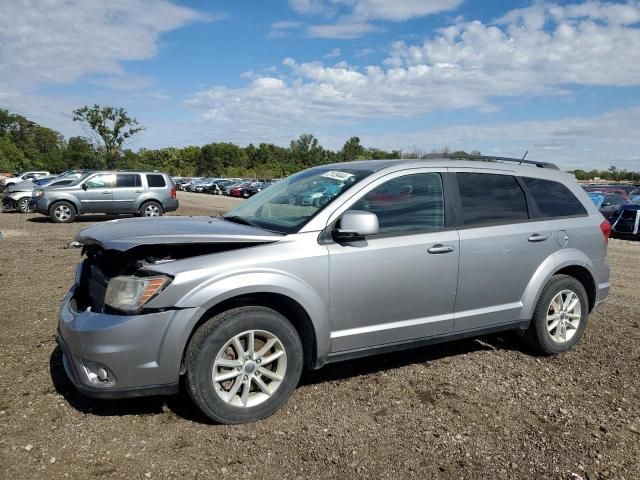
(25, 145)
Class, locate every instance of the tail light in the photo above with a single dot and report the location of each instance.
(605, 228)
(173, 192)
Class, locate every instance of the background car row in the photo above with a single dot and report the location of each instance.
(233, 187)
(620, 205)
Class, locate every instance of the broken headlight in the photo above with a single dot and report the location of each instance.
(131, 293)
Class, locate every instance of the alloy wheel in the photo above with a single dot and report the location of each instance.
(152, 210)
(563, 316)
(62, 213)
(249, 368)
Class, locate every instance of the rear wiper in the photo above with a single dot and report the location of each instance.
(237, 219)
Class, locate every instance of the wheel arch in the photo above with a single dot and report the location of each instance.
(568, 261)
(585, 277)
(289, 308)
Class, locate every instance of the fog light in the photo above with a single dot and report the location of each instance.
(97, 373)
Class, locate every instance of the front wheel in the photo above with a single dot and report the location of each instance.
(560, 317)
(243, 364)
(151, 209)
(23, 205)
(62, 212)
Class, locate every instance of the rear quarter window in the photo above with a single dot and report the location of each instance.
(490, 199)
(156, 181)
(553, 198)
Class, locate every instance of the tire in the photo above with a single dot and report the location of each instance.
(23, 205)
(541, 334)
(150, 209)
(214, 342)
(62, 212)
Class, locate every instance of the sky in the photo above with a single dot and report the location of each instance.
(559, 80)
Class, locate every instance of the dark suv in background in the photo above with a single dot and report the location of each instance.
(147, 194)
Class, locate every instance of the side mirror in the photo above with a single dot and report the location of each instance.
(84, 186)
(356, 224)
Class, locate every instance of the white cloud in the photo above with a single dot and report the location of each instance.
(543, 50)
(335, 53)
(61, 41)
(282, 28)
(312, 7)
(465, 66)
(354, 17)
(341, 31)
(400, 10)
(571, 142)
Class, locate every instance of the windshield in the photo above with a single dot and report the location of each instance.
(287, 205)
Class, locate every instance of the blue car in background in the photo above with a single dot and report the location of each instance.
(626, 222)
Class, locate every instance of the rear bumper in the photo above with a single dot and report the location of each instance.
(140, 353)
(602, 278)
(171, 205)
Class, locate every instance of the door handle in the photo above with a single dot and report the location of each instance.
(138, 191)
(106, 192)
(440, 248)
(536, 237)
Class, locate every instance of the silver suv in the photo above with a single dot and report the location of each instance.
(396, 254)
(148, 194)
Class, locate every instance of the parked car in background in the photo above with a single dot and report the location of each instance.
(270, 288)
(255, 188)
(607, 203)
(20, 178)
(20, 195)
(226, 190)
(148, 194)
(626, 221)
(217, 187)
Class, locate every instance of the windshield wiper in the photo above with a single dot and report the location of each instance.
(240, 220)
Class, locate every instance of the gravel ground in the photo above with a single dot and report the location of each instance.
(483, 408)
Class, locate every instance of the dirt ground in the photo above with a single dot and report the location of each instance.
(482, 409)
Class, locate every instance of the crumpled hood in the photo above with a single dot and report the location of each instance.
(124, 234)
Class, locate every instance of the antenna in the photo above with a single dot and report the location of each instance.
(525, 155)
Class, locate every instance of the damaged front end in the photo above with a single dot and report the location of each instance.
(123, 282)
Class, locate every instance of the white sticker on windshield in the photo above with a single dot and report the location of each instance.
(335, 175)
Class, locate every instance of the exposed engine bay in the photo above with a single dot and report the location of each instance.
(101, 265)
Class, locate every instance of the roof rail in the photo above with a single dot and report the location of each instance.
(490, 158)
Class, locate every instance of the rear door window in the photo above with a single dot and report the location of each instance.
(553, 198)
(490, 199)
(156, 181)
(128, 180)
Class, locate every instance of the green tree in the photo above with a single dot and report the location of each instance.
(112, 125)
(80, 153)
(306, 151)
(352, 150)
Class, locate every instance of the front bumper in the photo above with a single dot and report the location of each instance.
(41, 205)
(141, 353)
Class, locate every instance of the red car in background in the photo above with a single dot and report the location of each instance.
(238, 190)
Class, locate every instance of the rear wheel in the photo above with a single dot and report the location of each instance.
(62, 212)
(23, 205)
(151, 209)
(243, 364)
(560, 317)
